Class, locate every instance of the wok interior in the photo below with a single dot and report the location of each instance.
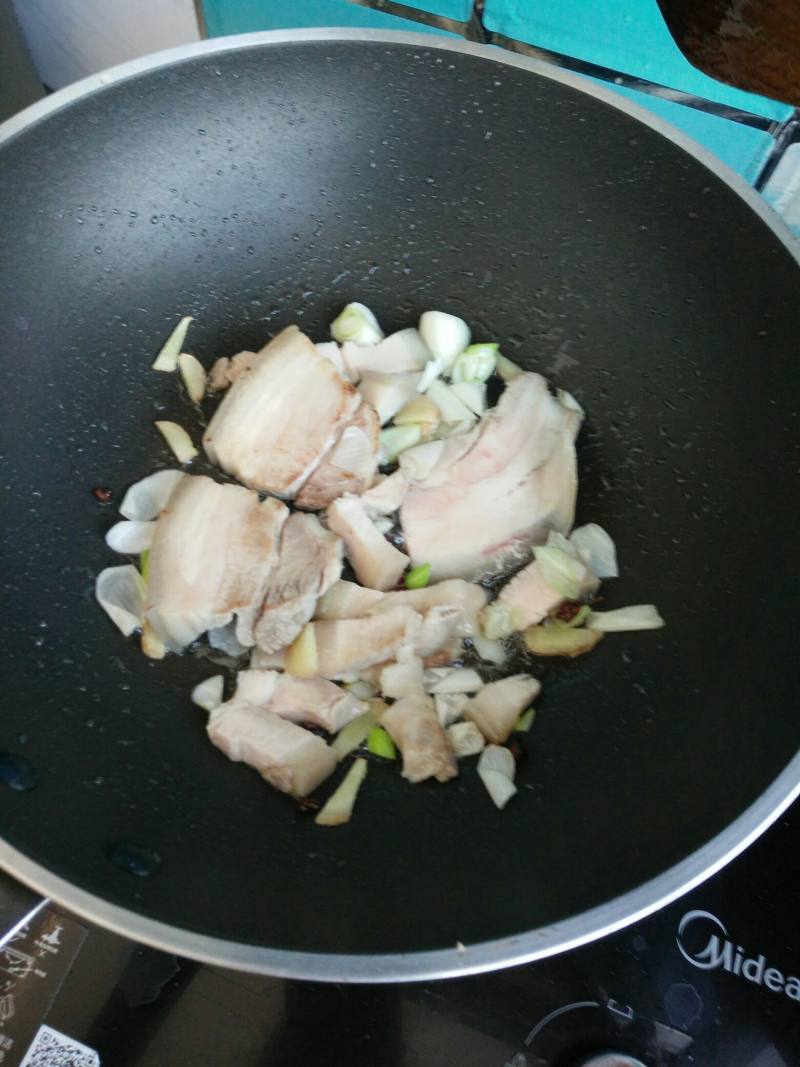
(270, 185)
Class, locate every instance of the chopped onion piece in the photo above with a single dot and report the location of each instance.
(146, 499)
(506, 369)
(465, 739)
(151, 643)
(422, 412)
(208, 694)
(361, 690)
(555, 539)
(193, 374)
(496, 770)
(167, 358)
(130, 537)
(403, 351)
(418, 577)
(418, 462)
(339, 806)
(452, 680)
(396, 440)
(178, 440)
(379, 743)
(456, 429)
(450, 707)
(496, 622)
(144, 565)
(525, 721)
(491, 651)
(353, 735)
(635, 617)
(120, 593)
(562, 571)
(433, 368)
(597, 549)
(301, 656)
(445, 335)
(453, 410)
(560, 640)
(475, 364)
(472, 394)
(383, 524)
(568, 401)
(356, 323)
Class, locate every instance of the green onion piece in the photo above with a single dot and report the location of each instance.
(354, 734)
(418, 577)
(476, 363)
(339, 806)
(525, 721)
(356, 323)
(144, 565)
(380, 743)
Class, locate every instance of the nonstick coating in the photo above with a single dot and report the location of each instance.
(269, 184)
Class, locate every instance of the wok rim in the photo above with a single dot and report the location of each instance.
(460, 960)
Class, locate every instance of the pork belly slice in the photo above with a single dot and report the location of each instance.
(309, 563)
(212, 556)
(449, 612)
(345, 647)
(350, 465)
(476, 513)
(347, 600)
(403, 678)
(377, 563)
(415, 729)
(278, 420)
(292, 759)
(528, 597)
(388, 393)
(455, 592)
(496, 707)
(305, 700)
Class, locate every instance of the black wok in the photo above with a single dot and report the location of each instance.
(266, 180)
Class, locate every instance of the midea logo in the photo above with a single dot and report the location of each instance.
(720, 952)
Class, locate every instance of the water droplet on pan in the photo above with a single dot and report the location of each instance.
(135, 859)
(17, 772)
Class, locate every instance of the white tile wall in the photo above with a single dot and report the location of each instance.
(69, 39)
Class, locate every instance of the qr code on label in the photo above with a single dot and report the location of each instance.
(53, 1049)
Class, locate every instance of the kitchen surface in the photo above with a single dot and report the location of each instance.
(712, 978)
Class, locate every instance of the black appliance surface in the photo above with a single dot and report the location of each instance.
(709, 981)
